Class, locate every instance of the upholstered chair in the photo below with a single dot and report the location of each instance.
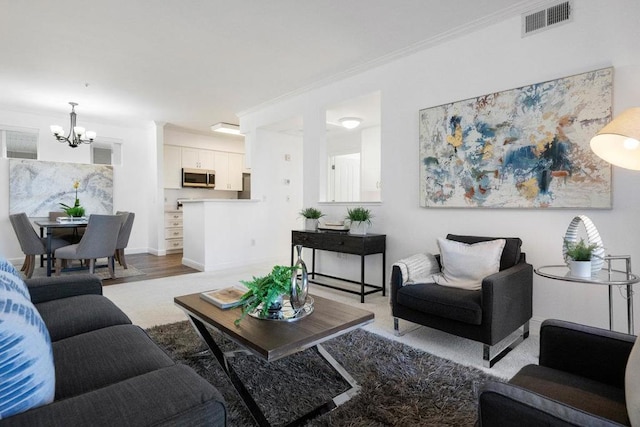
(586, 376)
(98, 241)
(490, 314)
(30, 243)
(123, 236)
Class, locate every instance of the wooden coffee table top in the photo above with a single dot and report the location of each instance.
(272, 340)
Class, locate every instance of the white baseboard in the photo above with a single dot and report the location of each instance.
(534, 325)
(193, 264)
(232, 267)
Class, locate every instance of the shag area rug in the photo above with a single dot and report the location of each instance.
(401, 386)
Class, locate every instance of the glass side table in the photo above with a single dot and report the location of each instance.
(608, 276)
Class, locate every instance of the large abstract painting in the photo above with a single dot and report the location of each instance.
(37, 187)
(521, 148)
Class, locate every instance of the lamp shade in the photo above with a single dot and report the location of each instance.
(619, 142)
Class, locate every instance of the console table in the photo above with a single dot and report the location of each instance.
(364, 245)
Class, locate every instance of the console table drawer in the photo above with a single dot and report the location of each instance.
(338, 242)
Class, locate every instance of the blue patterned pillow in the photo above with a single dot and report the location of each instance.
(14, 283)
(5, 265)
(26, 355)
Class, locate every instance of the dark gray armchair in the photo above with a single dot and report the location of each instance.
(580, 381)
(488, 315)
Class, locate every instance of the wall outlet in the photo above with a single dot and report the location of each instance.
(253, 242)
(287, 157)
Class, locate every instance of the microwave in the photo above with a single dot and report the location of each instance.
(202, 178)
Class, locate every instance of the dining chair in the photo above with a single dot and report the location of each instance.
(30, 243)
(123, 236)
(99, 241)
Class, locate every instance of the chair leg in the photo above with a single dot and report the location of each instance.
(396, 328)
(488, 361)
(92, 266)
(32, 264)
(121, 258)
(112, 271)
(62, 264)
(25, 263)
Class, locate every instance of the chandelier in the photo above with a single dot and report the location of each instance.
(77, 134)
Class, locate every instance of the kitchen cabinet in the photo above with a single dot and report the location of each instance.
(173, 231)
(172, 167)
(228, 167)
(194, 158)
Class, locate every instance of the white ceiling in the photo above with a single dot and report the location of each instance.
(193, 63)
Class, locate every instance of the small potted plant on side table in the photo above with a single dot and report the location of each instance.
(359, 219)
(311, 217)
(578, 255)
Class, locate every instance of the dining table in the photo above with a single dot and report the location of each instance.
(50, 226)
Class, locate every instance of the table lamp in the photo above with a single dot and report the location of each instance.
(619, 142)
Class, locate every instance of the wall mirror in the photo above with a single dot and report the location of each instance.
(353, 143)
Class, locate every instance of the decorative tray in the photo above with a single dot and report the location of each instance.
(287, 313)
(71, 220)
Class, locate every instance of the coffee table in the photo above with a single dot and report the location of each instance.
(273, 340)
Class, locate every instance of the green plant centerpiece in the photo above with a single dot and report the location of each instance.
(76, 210)
(266, 291)
(580, 251)
(359, 220)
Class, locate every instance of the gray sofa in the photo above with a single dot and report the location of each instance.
(109, 372)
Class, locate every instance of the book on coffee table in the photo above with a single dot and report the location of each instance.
(226, 297)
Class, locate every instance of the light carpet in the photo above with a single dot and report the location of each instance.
(150, 302)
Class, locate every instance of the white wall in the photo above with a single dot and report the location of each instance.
(138, 166)
(490, 60)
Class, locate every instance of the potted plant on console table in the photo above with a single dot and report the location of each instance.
(359, 220)
(578, 255)
(311, 217)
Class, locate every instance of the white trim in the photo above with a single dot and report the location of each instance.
(508, 12)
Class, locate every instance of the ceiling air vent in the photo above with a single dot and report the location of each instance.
(543, 19)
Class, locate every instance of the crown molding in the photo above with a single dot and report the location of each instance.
(516, 9)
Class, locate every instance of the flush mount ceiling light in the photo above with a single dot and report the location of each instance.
(619, 142)
(77, 132)
(350, 122)
(226, 128)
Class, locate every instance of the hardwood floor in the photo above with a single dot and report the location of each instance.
(154, 267)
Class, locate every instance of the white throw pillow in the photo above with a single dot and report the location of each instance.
(464, 266)
(632, 384)
(26, 355)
